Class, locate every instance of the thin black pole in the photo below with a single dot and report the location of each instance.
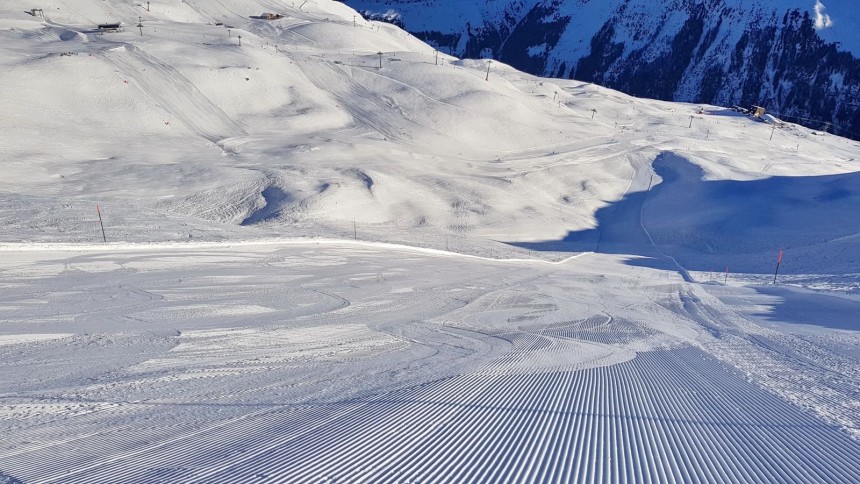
(488, 71)
(104, 237)
(354, 230)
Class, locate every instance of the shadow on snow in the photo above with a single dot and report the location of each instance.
(809, 308)
(708, 225)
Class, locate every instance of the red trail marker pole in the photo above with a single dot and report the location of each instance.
(104, 238)
(778, 262)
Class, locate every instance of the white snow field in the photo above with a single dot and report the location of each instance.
(314, 269)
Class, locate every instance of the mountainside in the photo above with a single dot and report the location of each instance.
(797, 58)
(270, 241)
(302, 128)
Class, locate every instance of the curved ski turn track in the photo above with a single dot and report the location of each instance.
(343, 363)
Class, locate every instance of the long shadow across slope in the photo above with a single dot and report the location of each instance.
(707, 224)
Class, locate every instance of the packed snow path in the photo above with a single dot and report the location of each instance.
(345, 363)
(241, 356)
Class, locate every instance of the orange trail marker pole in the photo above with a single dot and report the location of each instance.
(778, 262)
(104, 238)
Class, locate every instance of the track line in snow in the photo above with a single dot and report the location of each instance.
(170, 89)
(657, 418)
(286, 242)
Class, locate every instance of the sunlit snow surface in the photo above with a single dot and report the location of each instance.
(308, 362)
(320, 270)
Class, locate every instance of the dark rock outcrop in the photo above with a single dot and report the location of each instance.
(712, 52)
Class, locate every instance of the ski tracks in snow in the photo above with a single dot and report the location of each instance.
(667, 416)
(486, 382)
(173, 91)
(363, 105)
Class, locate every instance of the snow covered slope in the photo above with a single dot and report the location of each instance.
(267, 362)
(183, 133)
(799, 58)
(329, 254)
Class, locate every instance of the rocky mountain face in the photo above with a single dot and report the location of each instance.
(785, 55)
